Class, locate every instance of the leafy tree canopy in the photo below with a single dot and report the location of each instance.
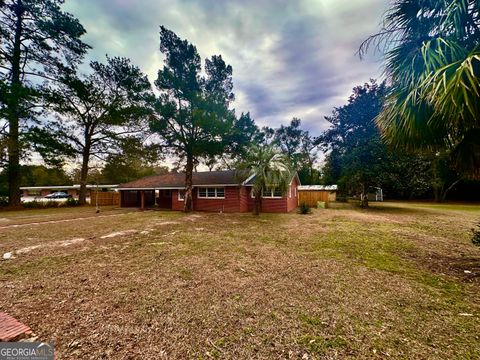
(96, 112)
(300, 147)
(432, 61)
(358, 160)
(134, 161)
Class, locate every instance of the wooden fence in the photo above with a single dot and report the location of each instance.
(105, 198)
(311, 197)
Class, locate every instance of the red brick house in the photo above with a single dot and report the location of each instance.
(212, 191)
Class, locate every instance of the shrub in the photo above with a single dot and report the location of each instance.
(31, 204)
(39, 204)
(51, 204)
(476, 235)
(304, 209)
(72, 202)
(3, 201)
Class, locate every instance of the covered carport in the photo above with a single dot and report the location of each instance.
(141, 198)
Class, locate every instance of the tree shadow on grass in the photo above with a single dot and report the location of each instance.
(384, 208)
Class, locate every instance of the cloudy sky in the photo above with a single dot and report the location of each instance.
(289, 57)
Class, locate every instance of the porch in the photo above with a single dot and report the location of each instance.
(146, 198)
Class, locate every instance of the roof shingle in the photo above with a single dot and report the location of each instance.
(177, 180)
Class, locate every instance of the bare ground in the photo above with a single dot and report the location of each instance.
(400, 280)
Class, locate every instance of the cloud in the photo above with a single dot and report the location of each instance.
(290, 58)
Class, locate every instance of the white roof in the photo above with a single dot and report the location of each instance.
(65, 187)
(318, 187)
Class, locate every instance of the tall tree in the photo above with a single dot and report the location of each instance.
(357, 158)
(243, 133)
(38, 41)
(98, 110)
(270, 166)
(40, 175)
(432, 60)
(299, 145)
(134, 160)
(37, 175)
(193, 116)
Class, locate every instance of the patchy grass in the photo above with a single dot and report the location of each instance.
(346, 283)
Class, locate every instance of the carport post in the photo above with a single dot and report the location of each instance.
(142, 199)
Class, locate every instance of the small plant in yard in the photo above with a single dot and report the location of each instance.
(72, 202)
(32, 204)
(476, 235)
(304, 209)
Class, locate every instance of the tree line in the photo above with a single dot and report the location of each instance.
(405, 135)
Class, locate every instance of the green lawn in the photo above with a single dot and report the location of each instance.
(339, 283)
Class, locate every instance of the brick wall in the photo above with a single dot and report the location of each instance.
(285, 204)
(176, 204)
(268, 205)
(244, 198)
(237, 199)
(231, 203)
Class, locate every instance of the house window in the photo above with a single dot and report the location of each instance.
(211, 193)
(272, 193)
(181, 195)
(289, 191)
(220, 192)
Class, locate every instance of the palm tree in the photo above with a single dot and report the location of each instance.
(271, 170)
(432, 61)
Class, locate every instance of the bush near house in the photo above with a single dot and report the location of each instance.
(304, 209)
(36, 204)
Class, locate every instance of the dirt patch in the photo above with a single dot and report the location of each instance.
(49, 222)
(119, 233)
(193, 217)
(167, 223)
(71, 242)
(63, 243)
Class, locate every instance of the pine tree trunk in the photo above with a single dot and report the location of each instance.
(82, 197)
(13, 146)
(188, 205)
(13, 168)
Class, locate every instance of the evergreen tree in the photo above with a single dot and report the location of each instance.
(38, 41)
(193, 117)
